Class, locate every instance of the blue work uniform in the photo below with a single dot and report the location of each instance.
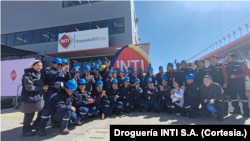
(151, 99)
(115, 104)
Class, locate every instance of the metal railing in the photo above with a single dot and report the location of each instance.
(18, 103)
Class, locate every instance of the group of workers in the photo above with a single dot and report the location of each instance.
(67, 97)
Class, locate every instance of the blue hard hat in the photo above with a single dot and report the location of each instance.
(126, 71)
(96, 67)
(149, 79)
(161, 67)
(92, 64)
(196, 61)
(111, 71)
(150, 68)
(170, 64)
(98, 61)
(178, 63)
(71, 84)
(126, 79)
(190, 76)
(99, 83)
(75, 68)
(164, 78)
(129, 68)
(79, 67)
(120, 71)
(211, 108)
(57, 60)
(137, 80)
(81, 81)
(134, 71)
(87, 68)
(100, 69)
(114, 81)
(64, 61)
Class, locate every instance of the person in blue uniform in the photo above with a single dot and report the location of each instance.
(183, 72)
(64, 65)
(130, 71)
(96, 76)
(133, 77)
(89, 79)
(108, 80)
(120, 77)
(171, 74)
(151, 75)
(127, 94)
(115, 98)
(151, 96)
(159, 75)
(55, 79)
(164, 95)
(125, 73)
(75, 73)
(191, 98)
(137, 102)
(92, 66)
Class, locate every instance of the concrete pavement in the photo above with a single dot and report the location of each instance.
(97, 129)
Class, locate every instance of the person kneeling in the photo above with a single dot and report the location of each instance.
(177, 98)
(212, 98)
(63, 109)
(164, 93)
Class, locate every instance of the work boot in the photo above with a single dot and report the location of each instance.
(42, 132)
(28, 133)
(235, 112)
(118, 112)
(64, 131)
(34, 127)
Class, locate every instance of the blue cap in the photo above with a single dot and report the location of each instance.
(164, 78)
(87, 68)
(149, 79)
(120, 71)
(75, 68)
(99, 83)
(92, 64)
(129, 68)
(114, 81)
(150, 68)
(64, 61)
(126, 79)
(126, 71)
(211, 108)
(71, 84)
(57, 60)
(82, 81)
(160, 67)
(98, 61)
(170, 64)
(137, 80)
(134, 71)
(111, 71)
(178, 63)
(190, 76)
(96, 67)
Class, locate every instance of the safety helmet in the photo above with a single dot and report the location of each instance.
(150, 68)
(100, 69)
(134, 71)
(129, 68)
(92, 64)
(126, 79)
(160, 67)
(57, 60)
(75, 68)
(120, 71)
(98, 61)
(103, 66)
(99, 83)
(87, 68)
(137, 80)
(111, 71)
(71, 84)
(211, 108)
(114, 81)
(178, 63)
(190, 76)
(64, 61)
(126, 71)
(82, 81)
(164, 78)
(96, 67)
(149, 79)
(170, 64)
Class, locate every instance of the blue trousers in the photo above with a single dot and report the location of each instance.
(154, 103)
(65, 116)
(191, 108)
(82, 111)
(116, 106)
(136, 103)
(164, 104)
(127, 109)
(47, 109)
(104, 106)
(92, 111)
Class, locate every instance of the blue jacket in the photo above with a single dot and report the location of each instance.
(192, 93)
(138, 93)
(79, 98)
(165, 94)
(154, 93)
(111, 94)
(97, 96)
(62, 101)
(127, 94)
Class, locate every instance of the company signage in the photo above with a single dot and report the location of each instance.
(81, 40)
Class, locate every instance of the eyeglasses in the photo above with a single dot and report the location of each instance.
(59, 64)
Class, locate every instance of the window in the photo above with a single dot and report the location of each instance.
(75, 3)
(75, 27)
(3, 39)
(19, 39)
(11, 40)
(65, 29)
(27, 37)
(36, 37)
(54, 34)
(96, 25)
(45, 36)
(115, 25)
(85, 26)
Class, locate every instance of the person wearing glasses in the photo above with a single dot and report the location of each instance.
(55, 79)
(75, 73)
(64, 65)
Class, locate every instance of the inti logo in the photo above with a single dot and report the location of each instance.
(13, 75)
(65, 41)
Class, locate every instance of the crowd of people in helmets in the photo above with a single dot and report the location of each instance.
(67, 97)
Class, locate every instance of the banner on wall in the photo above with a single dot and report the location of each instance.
(131, 56)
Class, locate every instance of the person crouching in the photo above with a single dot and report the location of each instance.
(177, 98)
(164, 94)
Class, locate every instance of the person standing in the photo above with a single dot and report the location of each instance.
(236, 84)
(159, 75)
(171, 74)
(151, 75)
(183, 72)
(32, 96)
(164, 95)
(200, 72)
(141, 77)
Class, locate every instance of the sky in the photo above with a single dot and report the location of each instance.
(181, 29)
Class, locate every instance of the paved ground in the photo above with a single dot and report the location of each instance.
(97, 129)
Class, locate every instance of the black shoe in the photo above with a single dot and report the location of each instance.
(35, 127)
(235, 112)
(225, 113)
(42, 132)
(118, 112)
(133, 109)
(246, 115)
(28, 133)
(148, 110)
(64, 131)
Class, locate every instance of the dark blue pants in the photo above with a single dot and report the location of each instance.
(47, 109)
(191, 108)
(104, 106)
(136, 103)
(164, 104)
(65, 116)
(92, 111)
(82, 111)
(116, 106)
(154, 103)
(127, 108)
(219, 106)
